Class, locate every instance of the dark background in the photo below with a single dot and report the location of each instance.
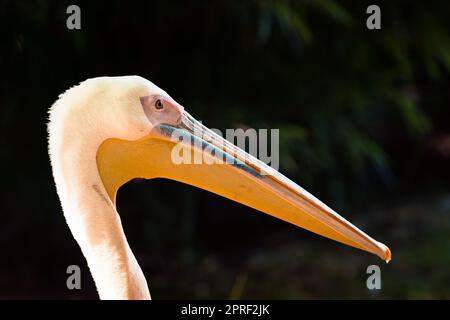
(364, 125)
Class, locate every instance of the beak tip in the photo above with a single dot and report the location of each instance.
(384, 253)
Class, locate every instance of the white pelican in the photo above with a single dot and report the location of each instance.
(109, 130)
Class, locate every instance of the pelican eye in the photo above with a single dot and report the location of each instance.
(159, 105)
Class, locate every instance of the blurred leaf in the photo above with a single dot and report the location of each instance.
(334, 10)
(293, 21)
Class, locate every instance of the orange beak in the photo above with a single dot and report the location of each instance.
(241, 178)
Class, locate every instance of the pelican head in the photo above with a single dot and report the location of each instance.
(109, 130)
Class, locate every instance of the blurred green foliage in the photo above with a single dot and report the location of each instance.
(362, 115)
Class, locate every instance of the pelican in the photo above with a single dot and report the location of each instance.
(107, 131)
